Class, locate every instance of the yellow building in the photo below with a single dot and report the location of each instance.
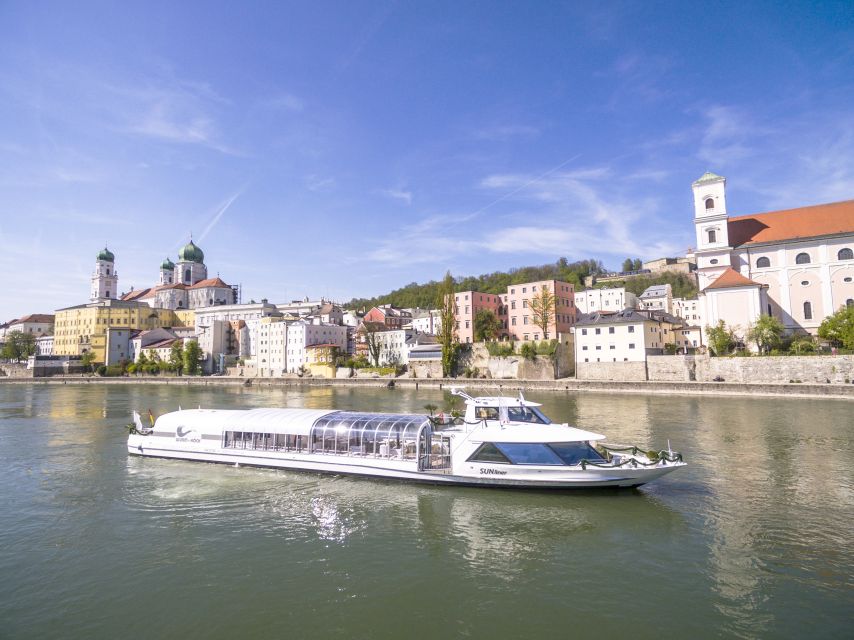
(83, 328)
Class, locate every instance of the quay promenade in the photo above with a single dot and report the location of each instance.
(791, 390)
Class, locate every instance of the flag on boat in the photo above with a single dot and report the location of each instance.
(151, 417)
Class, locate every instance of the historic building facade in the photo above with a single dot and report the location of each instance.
(796, 265)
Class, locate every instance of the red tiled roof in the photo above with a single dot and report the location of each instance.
(730, 279)
(210, 282)
(790, 224)
(35, 317)
(136, 295)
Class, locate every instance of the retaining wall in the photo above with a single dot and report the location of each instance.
(620, 371)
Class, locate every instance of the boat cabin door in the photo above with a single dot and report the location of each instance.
(435, 452)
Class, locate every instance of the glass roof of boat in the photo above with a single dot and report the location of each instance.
(397, 423)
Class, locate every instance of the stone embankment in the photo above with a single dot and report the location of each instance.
(801, 390)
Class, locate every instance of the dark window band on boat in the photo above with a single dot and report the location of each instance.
(264, 441)
(488, 452)
(522, 453)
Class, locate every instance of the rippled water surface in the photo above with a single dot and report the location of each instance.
(752, 539)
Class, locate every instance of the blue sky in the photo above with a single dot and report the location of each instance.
(343, 149)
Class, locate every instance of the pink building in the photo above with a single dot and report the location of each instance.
(467, 304)
(520, 316)
(513, 310)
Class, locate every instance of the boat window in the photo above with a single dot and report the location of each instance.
(527, 414)
(384, 435)
(486, 413)
(574, 452)
(488, 452)
(529, 453)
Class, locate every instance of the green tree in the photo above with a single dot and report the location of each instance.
(487, 326)
(86, 360)
(543, 309)
(176, 357)
(628, 264)
(142, 360)
(766, 333)
(637, 265)
(192, 357)
(838, 329)
(19, 346)
(448, 331)
(371, 329)
(721, 339)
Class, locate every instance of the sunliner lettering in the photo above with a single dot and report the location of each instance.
(492, 472)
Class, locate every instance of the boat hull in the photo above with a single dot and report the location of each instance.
(407, 471)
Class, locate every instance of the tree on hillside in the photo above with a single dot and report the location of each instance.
(543, 309)
(838, 329)
(637, 265)
(721, 338)
(19, 346)
(487, 326)
(176, 357)
(767, 333)
(448, 332)
(192, 357)
(628, 264)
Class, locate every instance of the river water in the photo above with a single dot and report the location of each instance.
(753, 539)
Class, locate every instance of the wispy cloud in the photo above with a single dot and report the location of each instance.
(502, 133)
(219, 211)
(319, 183)
(397, 194)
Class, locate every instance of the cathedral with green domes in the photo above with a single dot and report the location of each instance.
(182, 285)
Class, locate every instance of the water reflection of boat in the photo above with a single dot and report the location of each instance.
(501, 442)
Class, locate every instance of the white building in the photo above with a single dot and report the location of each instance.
(426, 321)
(282, 344)
(38, 324)
(795, 264)
(44, 346)
(658, 297)
(687, 309)
(624, 336)
(615, 299)
(230, 330)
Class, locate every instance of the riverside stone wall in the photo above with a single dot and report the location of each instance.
(671, 368)
(777, 369)
(621, 371)
(15, 371)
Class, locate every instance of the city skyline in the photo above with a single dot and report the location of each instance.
(343, 150)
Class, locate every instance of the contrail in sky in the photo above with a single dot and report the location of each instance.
(222, 209)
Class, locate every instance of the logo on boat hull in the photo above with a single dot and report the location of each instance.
(492, 472)
(183, 434)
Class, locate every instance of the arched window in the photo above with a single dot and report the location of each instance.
(763, 263)
(710, 204)
(802, 258)
(187, 274)
(712, 236)
(845, 254)
(807, 311)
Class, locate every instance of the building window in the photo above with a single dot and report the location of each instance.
(845, 254)
(598, 348)
(710, 204)
(763, 263)
(712, 236)
(584, 348)
(802, 258)
(610, 329)
(713, 261)
(524, 304)
(584, 332)
(631, 345)
(524, 290)
(108, 293)
(631, 328)
(805, 283)
(513, 304)
(513, 321)
(807, 311)
(598, 331)
(612, 347)
(525, 320)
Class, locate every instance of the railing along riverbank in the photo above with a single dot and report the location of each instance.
(799, 390)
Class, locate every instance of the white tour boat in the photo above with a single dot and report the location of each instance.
(500, 442)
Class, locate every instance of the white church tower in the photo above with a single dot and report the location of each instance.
(105, 280)
(710, 221)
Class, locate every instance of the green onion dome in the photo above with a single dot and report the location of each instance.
(167, 265)
(191, 253)
(106, 255)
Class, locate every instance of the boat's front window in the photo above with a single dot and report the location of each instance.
(573, 453)
(528, 453)
(527, 414)
(486, 413)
